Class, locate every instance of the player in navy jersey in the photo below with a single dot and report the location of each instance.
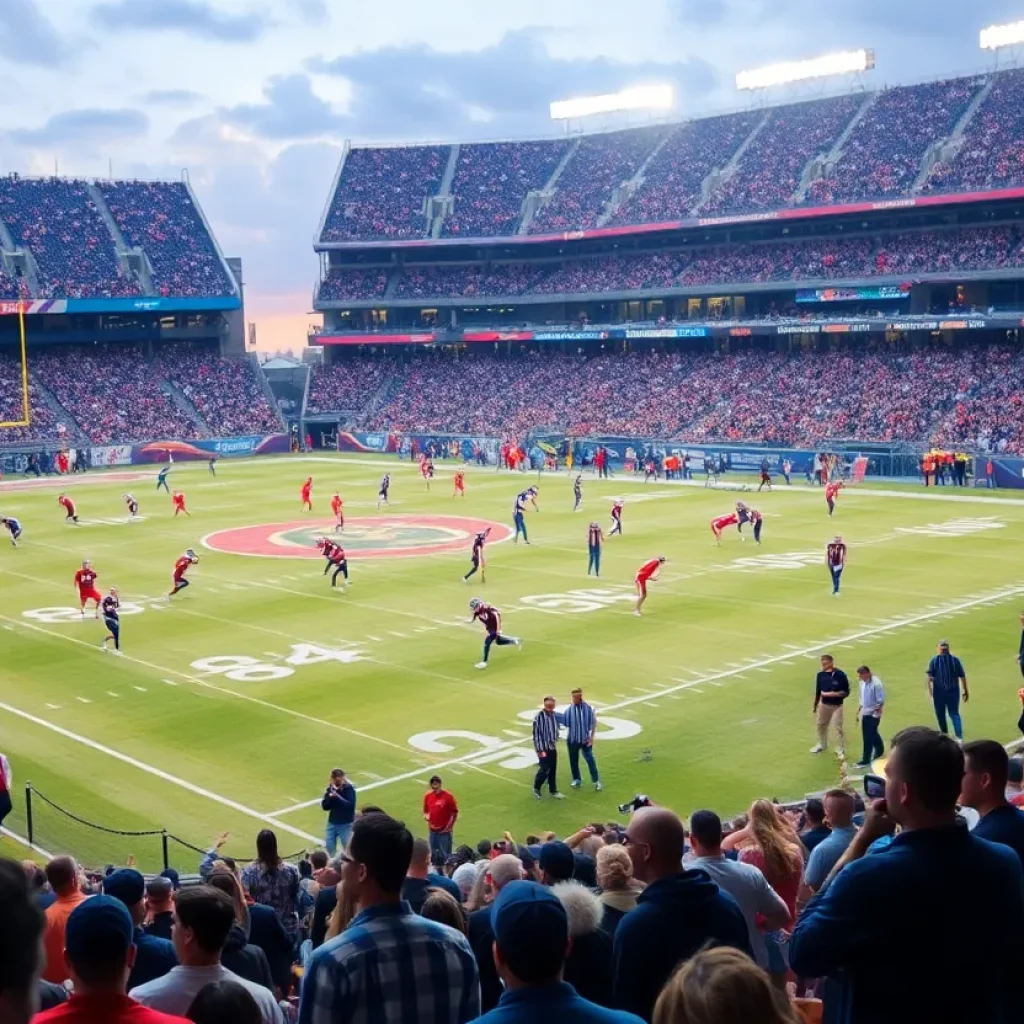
(13, 526)
(477, 557)
(594, 539)
(112, 620)
(616, 518)
(519, 512)
(490, 618)
(766, 476)
(382, 494)
(161, 478)
(577, 490)
(746, 514)
(835, 558)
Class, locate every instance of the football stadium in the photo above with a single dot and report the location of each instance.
(710, 431)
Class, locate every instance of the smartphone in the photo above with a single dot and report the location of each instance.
(874, 787)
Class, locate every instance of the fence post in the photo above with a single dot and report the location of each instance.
(163, 842)
(28, 813)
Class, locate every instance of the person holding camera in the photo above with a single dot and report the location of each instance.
(340, 803)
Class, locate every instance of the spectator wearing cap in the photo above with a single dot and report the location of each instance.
(339, 801)
(98, 954)
(588, 967)
(203, 917)
(62, 874)
(20, 935)
(984, 788)
(389, 964)
(946, 676)
(531, 945)
(878, 931)
(678, 913)
(154, 956)
(556, 863)
(763, 908)
(420, 878)
(159, 907)
(439, 812)
(816, 830)
(505, 868)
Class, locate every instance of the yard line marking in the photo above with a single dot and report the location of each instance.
(375, 638)
(514, 734)
(110, 693)
(83, 700)
(141, 689)
(26, 843)
(169, 682)
(650, 703)
(53, 707)
(158, 773)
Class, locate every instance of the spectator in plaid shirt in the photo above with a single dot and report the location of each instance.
(389, 965)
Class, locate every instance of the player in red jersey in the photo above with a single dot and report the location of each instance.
(336, 560)
(459, 483)
(746, 514)
(69, 507)
(490, 618)
(832, 494)
(178, 498)
(85, 581)
(180, 568)
(427, 469)
(835, 558)
(721, 523)
(616, 518)
(647, 573)
(338, 512)
(307, 494)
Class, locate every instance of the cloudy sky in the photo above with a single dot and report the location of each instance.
(255, 97)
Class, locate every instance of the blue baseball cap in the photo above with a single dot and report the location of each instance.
(531, 928)
(99, 928)
(126, 885)
(557, 860)
(172, 876)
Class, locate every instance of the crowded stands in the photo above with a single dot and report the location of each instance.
(992, 152)
(349, 384)
(160, 217)
(883, 155)
(57, 221)
(43, 423)
(381, 193)
(491, 182)
(353, 283)
(227, 392)
(462, 281)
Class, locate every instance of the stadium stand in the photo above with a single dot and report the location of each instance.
(56, 219)
(381, 193)
(991, 154)
(353, 283)
(349, 384)
(9, 286)
(492, 180)
(585, 187)
(43, 421)
(673, 179)
(500, 279)
(883, 155)
(770, 170)
(160, 218)
(226, 392)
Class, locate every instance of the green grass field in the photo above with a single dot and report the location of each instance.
(230, 705)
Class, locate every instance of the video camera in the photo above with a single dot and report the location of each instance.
(640, 800)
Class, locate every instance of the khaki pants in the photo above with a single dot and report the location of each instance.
(830, 713)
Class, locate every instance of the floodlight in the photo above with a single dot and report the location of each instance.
(800, 70)
(995, 37)
(641, 97)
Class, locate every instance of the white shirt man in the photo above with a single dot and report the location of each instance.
(743, 882)
(872, 701)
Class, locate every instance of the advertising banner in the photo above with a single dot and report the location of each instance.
(223, 447)
(110, 455)
(891, 291)
(459, 446)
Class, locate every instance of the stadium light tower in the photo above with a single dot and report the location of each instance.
(641, 97)
(827, 66)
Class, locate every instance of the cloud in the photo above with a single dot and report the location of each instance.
(172, 97)
(291, 111)
(27, 37)
(193, 17)
(421, 92)
(314, 12)
(84, 127)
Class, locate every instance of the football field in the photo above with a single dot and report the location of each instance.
(232, 702)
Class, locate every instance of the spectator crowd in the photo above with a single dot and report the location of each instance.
(780, 916)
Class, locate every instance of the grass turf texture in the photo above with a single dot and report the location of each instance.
(704, 680)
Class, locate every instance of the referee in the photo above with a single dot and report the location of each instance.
(545, 742)
(581, 721)
(946, 676)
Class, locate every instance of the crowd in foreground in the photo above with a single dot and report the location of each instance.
(779, 917)
(967, 396)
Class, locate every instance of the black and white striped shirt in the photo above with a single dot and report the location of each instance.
(545, 730)
(580, 720)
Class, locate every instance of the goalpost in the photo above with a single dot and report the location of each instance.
(26, 412)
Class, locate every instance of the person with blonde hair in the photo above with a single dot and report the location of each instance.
(722, 986)
(619, 889)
